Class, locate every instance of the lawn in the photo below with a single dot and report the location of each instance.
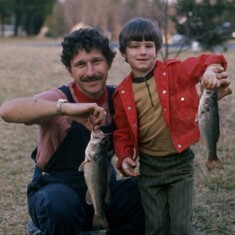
(28, 68)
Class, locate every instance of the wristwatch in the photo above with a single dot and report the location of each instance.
(58, 106)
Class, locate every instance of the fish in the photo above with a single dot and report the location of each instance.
(95, 168)
(209, 126)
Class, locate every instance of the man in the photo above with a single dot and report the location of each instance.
(65, 116)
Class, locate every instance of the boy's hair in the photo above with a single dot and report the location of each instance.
(139, 29)
(87, 39)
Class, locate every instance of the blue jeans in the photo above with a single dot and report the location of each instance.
(58, 209)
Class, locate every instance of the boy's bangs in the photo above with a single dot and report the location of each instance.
(140, 33)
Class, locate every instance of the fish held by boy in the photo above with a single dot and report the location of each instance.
(95, 169)
(208, 120)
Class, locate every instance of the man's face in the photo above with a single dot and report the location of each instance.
(90, 71)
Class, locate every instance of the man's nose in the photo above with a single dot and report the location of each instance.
(90, 70)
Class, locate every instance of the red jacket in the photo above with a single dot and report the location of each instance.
(176, 82)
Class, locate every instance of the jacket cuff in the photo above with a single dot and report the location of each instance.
(216, 59)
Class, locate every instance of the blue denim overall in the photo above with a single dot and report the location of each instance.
(56, 195)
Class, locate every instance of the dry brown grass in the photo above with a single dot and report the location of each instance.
(26, 69)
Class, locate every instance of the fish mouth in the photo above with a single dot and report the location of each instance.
(97, 134)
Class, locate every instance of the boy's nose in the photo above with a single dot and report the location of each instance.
(142, 50)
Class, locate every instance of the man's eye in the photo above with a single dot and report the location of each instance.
(80, 65)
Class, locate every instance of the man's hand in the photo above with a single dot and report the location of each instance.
(128, 166)
(90, 115)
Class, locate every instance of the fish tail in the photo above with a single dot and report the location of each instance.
(215, 163)
(100, 222)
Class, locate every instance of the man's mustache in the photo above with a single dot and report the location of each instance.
(91, 79)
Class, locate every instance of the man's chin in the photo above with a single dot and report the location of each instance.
(95, 90)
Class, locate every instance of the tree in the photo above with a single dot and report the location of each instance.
(29, 15)
(56, 21)
(5, 12)
(204, 21)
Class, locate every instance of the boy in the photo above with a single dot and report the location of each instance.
(155, 109)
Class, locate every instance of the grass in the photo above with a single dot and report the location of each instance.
(27, 69)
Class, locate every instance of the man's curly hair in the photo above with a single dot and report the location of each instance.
(87, 39)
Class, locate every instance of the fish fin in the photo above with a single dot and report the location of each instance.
(212, 164)
(81, 167)
(196, 117)
(201, 141)
(100, 222)
(88, 198)
(107, 197)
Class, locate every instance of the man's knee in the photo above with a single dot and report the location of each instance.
(56, 205)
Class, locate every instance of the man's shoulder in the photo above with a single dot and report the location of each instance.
(53, 95)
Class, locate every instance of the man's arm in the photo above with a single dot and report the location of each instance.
(29, 110)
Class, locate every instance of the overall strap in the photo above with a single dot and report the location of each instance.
(111, 89)
(67, 92)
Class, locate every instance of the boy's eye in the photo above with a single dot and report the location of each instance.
(133, 46)
(149, 45)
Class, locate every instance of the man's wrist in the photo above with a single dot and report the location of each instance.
(59, 105)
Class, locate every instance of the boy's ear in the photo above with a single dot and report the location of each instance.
(124, 55)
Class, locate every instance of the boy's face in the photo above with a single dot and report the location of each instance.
(141, 56)
(90, 71)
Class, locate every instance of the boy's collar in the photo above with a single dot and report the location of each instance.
(145, 78)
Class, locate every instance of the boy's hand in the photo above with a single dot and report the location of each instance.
(216, 77)
(209, 79)
(128, 166)
(224, 88)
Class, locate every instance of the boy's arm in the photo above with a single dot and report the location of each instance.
(122, 141)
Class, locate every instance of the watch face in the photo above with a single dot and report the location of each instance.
(62, 100)
(58, 105)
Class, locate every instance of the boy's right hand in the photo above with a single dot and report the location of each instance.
(128, 166)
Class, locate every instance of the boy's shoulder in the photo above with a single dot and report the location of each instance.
(124, 85)
(169, 61)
